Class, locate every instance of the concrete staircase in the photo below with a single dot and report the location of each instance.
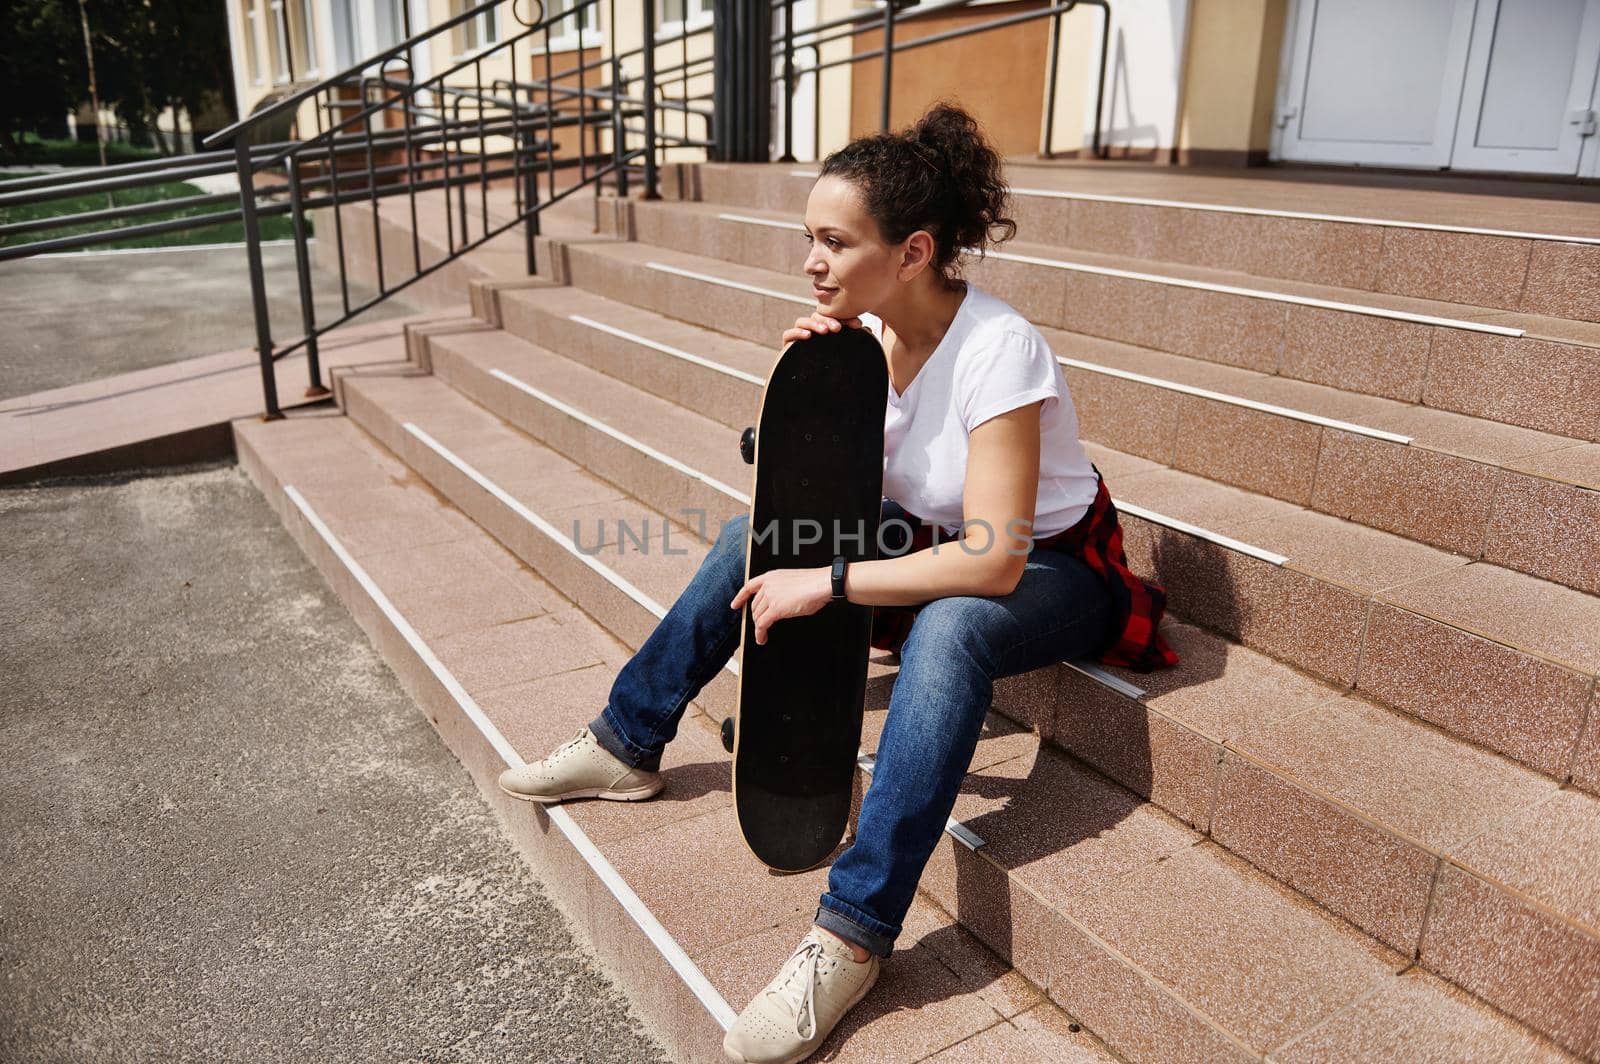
(1360, 821)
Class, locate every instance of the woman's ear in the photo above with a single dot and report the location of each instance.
(916, 256)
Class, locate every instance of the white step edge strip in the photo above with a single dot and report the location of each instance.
(1093, 367)
(1309, 216)
(1183, 282)
(631, 903)
(1269, 212)
(724, 282)
(1257, 293)
(956, 829)
(623, 334)
(622, 437)
(1234, 400)
(1106, 679)
(1203, 533)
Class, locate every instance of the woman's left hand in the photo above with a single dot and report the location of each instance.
(783, 593)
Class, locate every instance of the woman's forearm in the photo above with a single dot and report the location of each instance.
(933, 573)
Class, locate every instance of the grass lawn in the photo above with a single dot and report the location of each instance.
(78, 153)
(276, 227)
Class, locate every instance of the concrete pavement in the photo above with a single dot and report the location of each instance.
(225, 832)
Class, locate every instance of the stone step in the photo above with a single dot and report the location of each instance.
(1530, 370)
(1488, 491)
(506, 667)
(1504, 252)
(1344, 601)
(1280, 971)
(1396, 811)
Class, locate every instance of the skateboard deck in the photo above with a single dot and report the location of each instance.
(797, 725)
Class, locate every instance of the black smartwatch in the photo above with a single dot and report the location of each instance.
(839, 566)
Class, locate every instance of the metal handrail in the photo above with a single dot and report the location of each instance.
(859, 22)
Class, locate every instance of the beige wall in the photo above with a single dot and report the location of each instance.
(1234, 46)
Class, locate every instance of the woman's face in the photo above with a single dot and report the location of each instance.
(852, 270)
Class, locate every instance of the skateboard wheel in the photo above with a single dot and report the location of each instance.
(727, 734)
(747, 445)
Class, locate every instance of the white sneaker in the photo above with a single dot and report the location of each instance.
(817, 985)
(580, 768)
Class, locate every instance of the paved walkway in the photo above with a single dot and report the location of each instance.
(72, 319)
(226, 833)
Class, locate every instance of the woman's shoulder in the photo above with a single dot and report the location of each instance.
(994, 321)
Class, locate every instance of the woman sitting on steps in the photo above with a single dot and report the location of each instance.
(979, 431)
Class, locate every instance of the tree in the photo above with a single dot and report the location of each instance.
(149, 55)
(42, 73)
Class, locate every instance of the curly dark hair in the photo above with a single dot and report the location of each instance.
(941, 174)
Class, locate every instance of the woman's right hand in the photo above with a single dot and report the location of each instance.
(816, 324)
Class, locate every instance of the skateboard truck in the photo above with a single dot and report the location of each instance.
(747, 447)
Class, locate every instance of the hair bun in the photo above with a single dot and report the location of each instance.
(940, 174)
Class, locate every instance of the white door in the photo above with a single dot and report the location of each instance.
(1375, 81)
(1530, 86)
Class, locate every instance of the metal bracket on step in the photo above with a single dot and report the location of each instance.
(1584, 119)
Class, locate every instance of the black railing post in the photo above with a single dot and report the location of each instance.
(651, 191)
(888, 64)
(302, 266)
(258, 282)
(742, 81)
(619, 139)
(788, 83)
(1047, 149)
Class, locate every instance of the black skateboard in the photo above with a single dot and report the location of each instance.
(818, 453)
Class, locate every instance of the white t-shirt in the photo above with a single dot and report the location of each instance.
(990, 361)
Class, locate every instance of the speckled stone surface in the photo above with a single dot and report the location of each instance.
(1419, 1018)
(1574, 464)
(1132, 417)
(1538, 969)
(1436, 498)
(1331, 253)
(1119, 228)
(1549, 529)
(1586, 758)
(1457, 267)
(1413, 779)
(1261, 959)
(1372, 878)
(1257, 451)
(1539, 384)
(1466, 436)
(1549, 851)
(1346, 553)
(1563, 281)
(1537, 616)
(1488, 693)
(1115, 308)
(1358, 352)
(1220, 327)
(1187, 497)
(1044, 1035)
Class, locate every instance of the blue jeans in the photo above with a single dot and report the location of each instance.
(957, 648)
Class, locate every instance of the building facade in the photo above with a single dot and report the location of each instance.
(1502, 86)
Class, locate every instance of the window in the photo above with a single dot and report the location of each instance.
(671, 12)
(565, 33)
(305, 38)
(475, 33)
(252, 43)
(278, 32)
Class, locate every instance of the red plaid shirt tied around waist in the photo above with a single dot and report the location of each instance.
(1137, 606)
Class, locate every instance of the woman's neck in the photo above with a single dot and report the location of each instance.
(921, 314)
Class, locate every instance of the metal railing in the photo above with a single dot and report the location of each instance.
(501, 116)
(889, 16)
(456, 133)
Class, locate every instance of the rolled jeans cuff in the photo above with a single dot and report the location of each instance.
(853, 925)
(607, 735)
